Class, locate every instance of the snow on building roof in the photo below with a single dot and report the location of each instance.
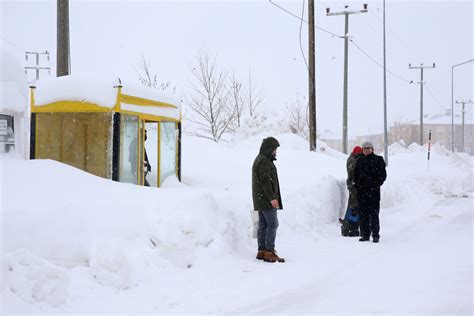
(13, 83)
(443, 118)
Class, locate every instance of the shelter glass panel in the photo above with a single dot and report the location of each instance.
(151, 154)
(81, 140)
(167, 150)
(129, 155)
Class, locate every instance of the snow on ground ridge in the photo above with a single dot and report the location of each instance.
(122, 234)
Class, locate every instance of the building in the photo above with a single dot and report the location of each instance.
(13, 106)
(409, 132)
(440, 127)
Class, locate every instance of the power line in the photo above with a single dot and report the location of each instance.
(434, 97)
(378, 64)
(13, 44)
(301, 45)
(302, 19)
(395, 35)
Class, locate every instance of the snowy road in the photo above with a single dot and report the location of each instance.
(422, 265)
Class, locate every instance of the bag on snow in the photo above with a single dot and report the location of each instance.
(350, 226)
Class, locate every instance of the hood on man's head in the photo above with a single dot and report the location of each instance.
(269, 144)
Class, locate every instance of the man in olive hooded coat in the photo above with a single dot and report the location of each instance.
(266, 199)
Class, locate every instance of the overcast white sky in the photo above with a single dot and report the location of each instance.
(108, 37)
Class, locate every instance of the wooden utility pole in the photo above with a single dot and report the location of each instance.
(62, 39)
(346, 13)
(312, 78)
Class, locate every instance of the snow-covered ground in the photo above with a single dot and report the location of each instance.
(73, 242)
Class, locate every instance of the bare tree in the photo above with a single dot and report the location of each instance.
(298, 120)
(237, 98)
(149, 78)
(210, 99)
(253, 97)
(400, 131)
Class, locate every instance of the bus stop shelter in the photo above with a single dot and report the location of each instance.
(124, 133)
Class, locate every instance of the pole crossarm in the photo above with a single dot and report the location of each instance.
(346, 12)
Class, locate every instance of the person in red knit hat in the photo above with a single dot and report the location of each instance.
(350, 225)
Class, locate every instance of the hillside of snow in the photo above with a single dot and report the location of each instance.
(74, 242)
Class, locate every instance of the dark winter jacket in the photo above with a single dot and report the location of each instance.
(369, 175)
(350, 166)
(265, 186)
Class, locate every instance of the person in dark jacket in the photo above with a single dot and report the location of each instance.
(133, 147)
(146, 165)
(369, 175)
(266, 199)
(350, 226)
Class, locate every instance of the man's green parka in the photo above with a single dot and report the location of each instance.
(265, 186)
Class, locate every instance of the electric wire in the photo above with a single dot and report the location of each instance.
(301, 45)
(434, 97)
(378, 64)
(302, 19)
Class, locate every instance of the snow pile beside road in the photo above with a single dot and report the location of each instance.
(445, 175)
(65, 231)
(72, 218)
(35, 280)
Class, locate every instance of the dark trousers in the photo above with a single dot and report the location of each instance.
(267, 227)
(369, 221)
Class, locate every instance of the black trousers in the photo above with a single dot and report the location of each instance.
(369, 221)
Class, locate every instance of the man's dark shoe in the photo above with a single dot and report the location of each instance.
(271, 256)
(260, 254)
(375, 239)
(364, 239)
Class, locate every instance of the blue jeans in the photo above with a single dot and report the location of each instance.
(267, 227)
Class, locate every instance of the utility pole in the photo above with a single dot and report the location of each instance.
(312, 78)
(37, 66)
(421, 67)
(385, 134)
(463, 112)
(346, 14)
(62, 39)
(452, 100)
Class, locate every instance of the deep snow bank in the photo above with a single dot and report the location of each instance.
(55, 217)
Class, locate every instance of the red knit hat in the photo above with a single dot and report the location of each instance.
(357, 150)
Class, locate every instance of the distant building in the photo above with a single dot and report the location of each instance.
(409, 132)
(440, 126)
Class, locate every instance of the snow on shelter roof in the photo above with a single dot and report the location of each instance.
(13, 83)
(103, 93)
(100, 92)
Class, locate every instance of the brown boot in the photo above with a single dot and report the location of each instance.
(260, 254)
(271, 256)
